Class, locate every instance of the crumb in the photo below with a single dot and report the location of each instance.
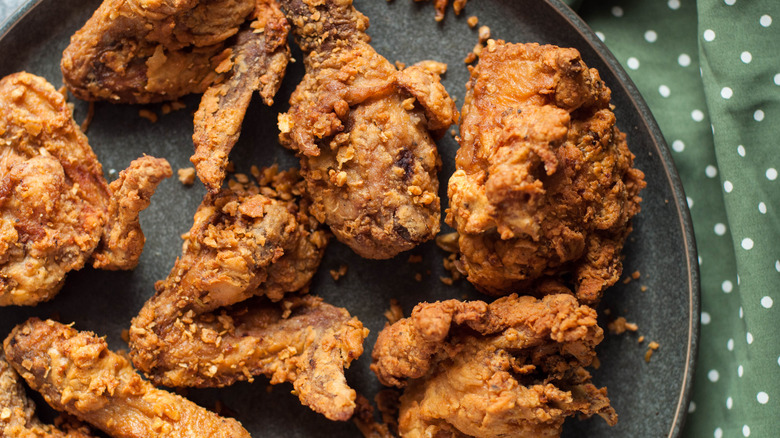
(596, 363)
(651, 347)
(418, 277)
(635, 275)
(186, 175)
(125, 335)
(415, 258)
(255, 171)
(242, 178)
(620, 325)
(643, 288)
(641, 339)
(607, 311)
(230, 167)
(177, 105)
(446, 280)
(400, 65)
(627, 280)
(166, 109)
(148, 115)
(472, 21)
(395, 313)
(337, 274)
(484, 34)
(88, 120)
(449, 265)
(448, 242)
(471, 57)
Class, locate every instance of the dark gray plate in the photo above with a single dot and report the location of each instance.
(650, 398)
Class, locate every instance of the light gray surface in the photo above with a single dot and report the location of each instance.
(7, 7)
(646, 396)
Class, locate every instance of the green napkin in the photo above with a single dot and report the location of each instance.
(710, 73)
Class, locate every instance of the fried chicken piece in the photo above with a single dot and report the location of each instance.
(259, 63)
(544, 184)
(17, 412)
(56, 209)
(510, 368)
(299, 340)
(441, 7)
(364, 132)
(139, 51)
(77, 373)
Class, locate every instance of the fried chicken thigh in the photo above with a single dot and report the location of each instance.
(364, 132)
(202, 317)
(138, 51)
(17, 412)
(77, 373)
(511, 368)
(56, 209)
(544, 186)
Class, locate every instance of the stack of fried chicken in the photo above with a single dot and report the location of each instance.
(542, 200)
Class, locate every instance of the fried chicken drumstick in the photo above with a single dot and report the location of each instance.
(202, 317)
(364, 132)
(544, 184)
(77, 373)
(143, 52)
(56, 209)
(511, 368)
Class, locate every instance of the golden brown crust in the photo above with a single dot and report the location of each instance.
(511, 368)
(54, 201)
(259, 58)
(544, 184)
(77, 373)
(364, 132)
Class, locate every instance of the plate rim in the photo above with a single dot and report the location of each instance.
(660, 147)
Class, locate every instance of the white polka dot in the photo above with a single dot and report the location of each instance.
(600, 35)
(765, 20)
(720, 230)
(767, 302)
(705, 318)
(741, 150)
(617, 11)
(778, 360)
(726, 92)
(692, 407)
(762, 397)
(713, 375)
(746, 430)
(758, 115)
(664, 91)
(651, 36)
(685, 60)
(762, 208)
(746, 57)
(741, 313)
(632, 63)
(711, 171)
(709, 35)
(749, 338)
(747, 243)
(738, 283)
(697, 115)
(729, 403)
(740, 371)
(771, 174)
(777, 79)
(674, 4)
(690, 201)
(727, 286)
(777, 265)
(718, 433)
(728, 186)
(678, 146)
(730, 345)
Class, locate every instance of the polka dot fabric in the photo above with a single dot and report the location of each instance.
(710, 73)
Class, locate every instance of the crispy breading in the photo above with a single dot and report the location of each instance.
(364, 132)
(544, 184)
(77, 373)
(511, 368)
(56, 208)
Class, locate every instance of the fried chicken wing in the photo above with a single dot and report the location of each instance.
(17, 412)
(56, 209)
(142, 52)
(511, 368)
(544, 184)
(202, 329)
(259, 63)
(364, 132)
(77, 373)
